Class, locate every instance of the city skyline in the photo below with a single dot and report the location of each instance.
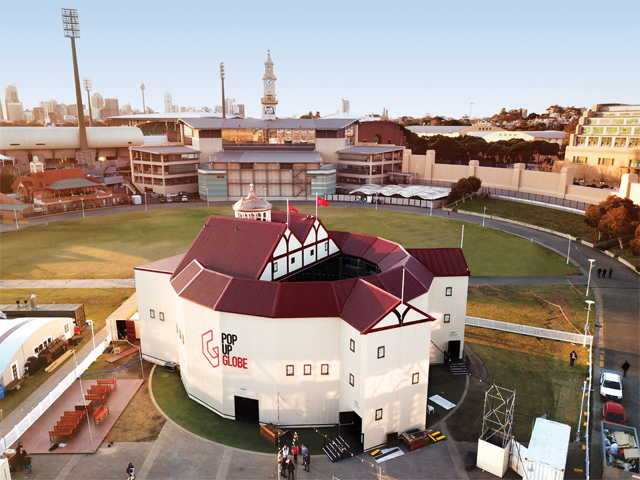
(423, 57)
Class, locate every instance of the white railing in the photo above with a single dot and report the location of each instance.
(16, 432)
(528, 330)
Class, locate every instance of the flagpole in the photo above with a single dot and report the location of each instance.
(316, 205)
(402, 294)
(288, 209)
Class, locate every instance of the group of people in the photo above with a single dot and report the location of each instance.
(602, 272)
(24, 459)
(288, 465)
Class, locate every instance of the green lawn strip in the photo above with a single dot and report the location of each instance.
(175, 403)
(443, 383)
(98, 303)
(626, 254)
(539, 372)
(109, 246)
(513, 304)
(557, 220)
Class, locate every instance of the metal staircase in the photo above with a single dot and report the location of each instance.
(337, 450)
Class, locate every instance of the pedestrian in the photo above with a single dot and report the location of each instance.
(23, 459)
(294, 452)
(291, 467)
(306, 460)
(625, 367)
(572, 357)
(27, 462)
(280, 460)
(131, 472)
(599, 272)
(283, 466)
(285, 451)
(610, 272)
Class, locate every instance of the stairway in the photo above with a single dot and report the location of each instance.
(337, 450)
(459, 367)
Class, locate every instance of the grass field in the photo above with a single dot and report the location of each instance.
(109, 246)
(176, 404)
(98, 304)
(539, 372)
(513, 304)
(627, 254)
(557, 220)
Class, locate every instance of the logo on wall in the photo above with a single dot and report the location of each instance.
(211, 353)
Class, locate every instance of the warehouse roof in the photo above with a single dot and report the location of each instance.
(371, 150)
(72, 183)
(165, 150)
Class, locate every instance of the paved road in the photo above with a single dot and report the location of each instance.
(178, 454)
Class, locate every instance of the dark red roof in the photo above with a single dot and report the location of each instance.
(367, 305)
(206, 288)
(185, 276)
(306, 299)
(249, 297)
(236, 247)
(443, 262)
(299, 223)
(384, 253)
(166, 265)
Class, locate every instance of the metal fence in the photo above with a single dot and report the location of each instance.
(382, 200)
(16, 432)
(534, 197)
(528, 330)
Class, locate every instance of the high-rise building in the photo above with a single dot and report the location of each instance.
(126, 109)
(29, 116)
(72, 110)
(168, 103)
(15, 112)
(40, 114)
(11, 94)
(97, 101)
(54, 108)
(1, 111)
(110, 109)
(175, 109)
(345, 106)
(240, 110)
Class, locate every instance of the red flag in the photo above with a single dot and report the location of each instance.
(322, 202)
(291, 209)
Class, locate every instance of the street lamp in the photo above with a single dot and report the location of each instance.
(377, 193)
(484, 213)
(90, 322)
(82, 200)
(144, 108)
(569, 249)
(586, 325)
(591, 262)
(87, 87)
(224, 105)
(145, 201)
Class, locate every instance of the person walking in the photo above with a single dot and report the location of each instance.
(22, 459)
(283, 466)
(610, 272)
(27, 462)
(599, 272)
(291, 467)
(572, 357)
(131, 472)
(305, 457)
(625, 367)
(294, 452)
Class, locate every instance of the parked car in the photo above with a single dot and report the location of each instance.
(172, 197)
(613, 412)
(161, 199)
(611, 385)
(182, 192)
(185, 198)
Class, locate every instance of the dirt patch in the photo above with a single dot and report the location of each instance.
(465, 423)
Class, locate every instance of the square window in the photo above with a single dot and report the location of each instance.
(415, 378)
(66, 328)
(275, 267)
(380, 352)
(311, 252)
(449, 291)
(351, 380)
(447, 317)
(324, 369)
(162, 316)
(152, 313)
(326, 247)
(307, 369)
(352, 345)
(378, 414)
(293, 260)
(289, 370)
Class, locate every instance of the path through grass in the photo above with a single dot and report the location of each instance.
(109, 246)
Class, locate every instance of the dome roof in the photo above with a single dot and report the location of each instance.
(251, 203)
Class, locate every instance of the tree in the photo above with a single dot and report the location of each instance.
(447, 149)
(465, 186)
(6, 181)
(615, 216)
(635, 242)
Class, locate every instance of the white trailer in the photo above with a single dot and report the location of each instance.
(136, 200)
(546, 456)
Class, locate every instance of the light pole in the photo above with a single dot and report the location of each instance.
(145, 201)
(377, 200)
(591, 262)
(87, 87)
(484, 213)
(71, 25)
(90, 322)
(224, 105)
(569, 249)
(586, 325)
(82, 200)
(15, 215)
(144, 108)
(208, 195)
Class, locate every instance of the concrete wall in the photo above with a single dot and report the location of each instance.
(327, 148)
(519, 179)
(208, 147)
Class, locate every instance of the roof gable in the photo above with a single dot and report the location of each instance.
(443, 262)
(367, 305)
(299, 223)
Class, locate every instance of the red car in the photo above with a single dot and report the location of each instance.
(614, 413)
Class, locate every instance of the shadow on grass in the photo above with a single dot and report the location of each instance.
(451, 387)
(172, 398)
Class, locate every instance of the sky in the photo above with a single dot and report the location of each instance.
(410, 57)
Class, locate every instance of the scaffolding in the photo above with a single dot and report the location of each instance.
(497, 420)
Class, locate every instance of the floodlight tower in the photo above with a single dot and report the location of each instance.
(71, 26)
(224, 106)
(87, 87)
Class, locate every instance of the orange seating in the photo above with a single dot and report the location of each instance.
(112, 382)
(99, 413)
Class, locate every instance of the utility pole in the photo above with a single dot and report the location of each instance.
(224, 105)
(87, 87)
(71, 25)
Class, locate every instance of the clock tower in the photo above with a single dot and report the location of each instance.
(269, 101)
